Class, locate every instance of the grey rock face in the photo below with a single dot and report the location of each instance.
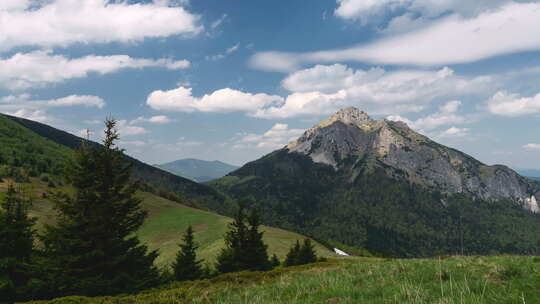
(352, 134)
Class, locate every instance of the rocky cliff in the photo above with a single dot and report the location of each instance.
(350, 136)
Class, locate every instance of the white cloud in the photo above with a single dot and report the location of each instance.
(65, 22)
(36, 115)
(508, 104)
(25, 101)
(233, 48)
(277, 137)
(445, 116)
(515, 27)
(228, 51)
(125, 128)
(324, 89)
(14, 5)
(218, 22)
(72, 100)
(367, 10)
(38, 68)
(454, 132)
(224, 100)
(532, 146)
(159, 119)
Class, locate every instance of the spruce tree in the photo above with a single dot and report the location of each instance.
(274, 261)
(187, 267)
(256, 255)
(245, 249)
(229, 260)
(93, 250)
(16, 246)
(292, 256)
(307, 254)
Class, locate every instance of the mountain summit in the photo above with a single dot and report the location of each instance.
(380, 185)
(351, 137)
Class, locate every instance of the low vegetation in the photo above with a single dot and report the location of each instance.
(448, 280)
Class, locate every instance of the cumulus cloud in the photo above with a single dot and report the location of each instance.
(514, 27)
(531, 147)
(447, 115)
(38, 68)
(454, 132)
(277, 137)
(224, 100)
(509, 104)
(325, 89)
(65, 22)
(126, 128)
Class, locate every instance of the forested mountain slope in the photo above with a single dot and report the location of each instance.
(381, 186)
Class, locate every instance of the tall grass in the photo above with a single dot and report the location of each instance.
(452, 280)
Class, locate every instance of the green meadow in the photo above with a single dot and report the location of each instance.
(448, 280)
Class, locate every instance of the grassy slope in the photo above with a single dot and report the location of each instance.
(156, 177)
(486, 280)
(166, 222)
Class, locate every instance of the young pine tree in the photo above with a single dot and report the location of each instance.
(307, 253)
(292, 256)
(16, 246)
(187, 267)
(274, 261)
(245, 249)
(256, 254)
(92, 250)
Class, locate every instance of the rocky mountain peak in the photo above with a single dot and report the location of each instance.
(350, 134)
(352, 115)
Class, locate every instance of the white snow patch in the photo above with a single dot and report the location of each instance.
(532, 204)
(340, 252)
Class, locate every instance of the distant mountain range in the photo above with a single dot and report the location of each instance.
(379, 185)
(198, 170)
(533, 174)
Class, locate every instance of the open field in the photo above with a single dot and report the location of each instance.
(475, 280)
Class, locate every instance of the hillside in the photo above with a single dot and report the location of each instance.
(166, 223)
(478, 280)
(33, 133)
(381, 186)
(198, 170)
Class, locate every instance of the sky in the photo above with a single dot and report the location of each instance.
(233, 80)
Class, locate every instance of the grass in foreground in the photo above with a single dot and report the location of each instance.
(501, 279)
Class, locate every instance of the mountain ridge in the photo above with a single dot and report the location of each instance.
(351, 132)
(198, 170)
(381, 186)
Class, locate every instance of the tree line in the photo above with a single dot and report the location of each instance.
(92, 249)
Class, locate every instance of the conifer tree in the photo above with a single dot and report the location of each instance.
(292, 256)
(301, 254)
(92, 250)
(274, 261)
(187, 267)
(245, 249)
(307, 254)
(229, 258)
(256, 255)
(16, 246)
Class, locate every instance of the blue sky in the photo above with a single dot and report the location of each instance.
(234, 80)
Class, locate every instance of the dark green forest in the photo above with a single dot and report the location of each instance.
(376, 212)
